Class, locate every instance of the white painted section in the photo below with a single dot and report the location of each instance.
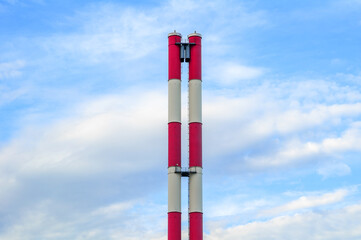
(195, 190)
(195, 100)
(174, 34)
(174, 100)
(195, 34)
(174, 189)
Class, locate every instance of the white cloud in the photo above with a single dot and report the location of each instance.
(328, 225)
(308, 202)
(113, 209)
(11, 69)
(105, 130)
(52, 220)
(120, 32)
(8, 95)
(334, 169)
(111, 30)
(94, 155)
(234, 205)
(296, 151)
(231, 73)
(294, 119)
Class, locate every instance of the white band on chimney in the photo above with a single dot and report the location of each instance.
(174, 100)
(195, 100)
(195, 189)
(174, 189)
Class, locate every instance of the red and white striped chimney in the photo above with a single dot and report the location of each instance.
(195, 138)
(174, 137)
(190, 52)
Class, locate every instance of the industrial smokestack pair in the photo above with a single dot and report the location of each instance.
(178, 52)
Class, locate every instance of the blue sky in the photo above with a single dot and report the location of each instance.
(83, 104)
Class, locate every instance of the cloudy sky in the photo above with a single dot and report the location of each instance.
(83, 118)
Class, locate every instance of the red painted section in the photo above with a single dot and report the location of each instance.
(174, 144)
(195, 226)
(174, 226)
(195, 144)
(174, 64)
(195, 63)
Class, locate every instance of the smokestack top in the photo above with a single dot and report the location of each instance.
(195, 34)
(175, 33)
